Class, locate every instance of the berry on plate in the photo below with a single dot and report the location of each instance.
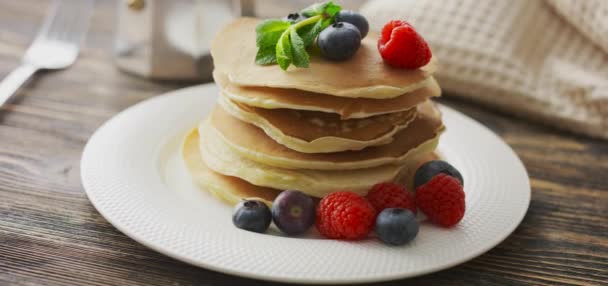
(345, 215)
(401, 46)
(339, 41)
(442, 200)
(354, 18)
(396, 226)
(293, 212)
(390, 195)
(430, 169)
(251, 215)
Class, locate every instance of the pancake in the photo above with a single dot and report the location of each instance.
(347, 108)
(320, 132)
(222, 159)
(229, 189)
(364, 75)
(232, 190)
(420, 136)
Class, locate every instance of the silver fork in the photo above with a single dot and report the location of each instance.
(56, 46)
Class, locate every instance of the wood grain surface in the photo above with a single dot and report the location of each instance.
(50, 234)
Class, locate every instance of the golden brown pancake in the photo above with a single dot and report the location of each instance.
(232, 189)
(347, 108)
(363, 75)
(229, 189)
(311, 125)
(320, 132)
(252, 143)
(223, 159)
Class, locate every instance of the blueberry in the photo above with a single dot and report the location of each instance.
(252, 215)
(354, 18)
(431, 168)
(293, 212)
(294, 18)
(396, 226)
(339, 41)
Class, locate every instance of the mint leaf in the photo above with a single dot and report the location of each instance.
(272, 25)
(269, 32)
(328, 8)
(299, 55)
(326, 22)
(266, 55)
(331, 9)
(283, 51)
(315, 9)
(309, 33)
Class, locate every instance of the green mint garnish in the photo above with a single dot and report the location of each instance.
(284, 43)
(299, 54)
(283, 51)
(328, 8)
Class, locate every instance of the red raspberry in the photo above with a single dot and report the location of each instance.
(345, 215)
(390, 195)
(442, 200)
(400, 46)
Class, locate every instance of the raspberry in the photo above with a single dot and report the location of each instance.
(345, 215)
(401, 46)
(442, 200)
(390, 195)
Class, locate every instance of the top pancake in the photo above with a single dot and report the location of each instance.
(364, 75)
(347, 108)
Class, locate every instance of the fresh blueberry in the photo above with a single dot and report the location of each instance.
(294, 18)
(396, 226)
(430, 169)
(339, 41)
(293, 212)
(252, 215)
(354, 18)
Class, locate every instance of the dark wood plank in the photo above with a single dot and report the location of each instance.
(51, 235)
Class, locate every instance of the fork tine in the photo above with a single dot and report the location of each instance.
(59, 24)
(66, 27)
(81, 22)
(70, 21)
(58, 43)
(48, 21)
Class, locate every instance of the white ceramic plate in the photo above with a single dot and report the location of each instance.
(133, 175)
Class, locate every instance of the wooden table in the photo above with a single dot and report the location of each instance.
(50, 234)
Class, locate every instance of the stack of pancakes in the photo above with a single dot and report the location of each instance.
(330, 127)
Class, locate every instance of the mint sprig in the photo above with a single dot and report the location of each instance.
(284, 43)
(320, 8)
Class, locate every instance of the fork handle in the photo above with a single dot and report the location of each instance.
(14, 80)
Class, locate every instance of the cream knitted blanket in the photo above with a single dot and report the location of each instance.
(546, 60)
